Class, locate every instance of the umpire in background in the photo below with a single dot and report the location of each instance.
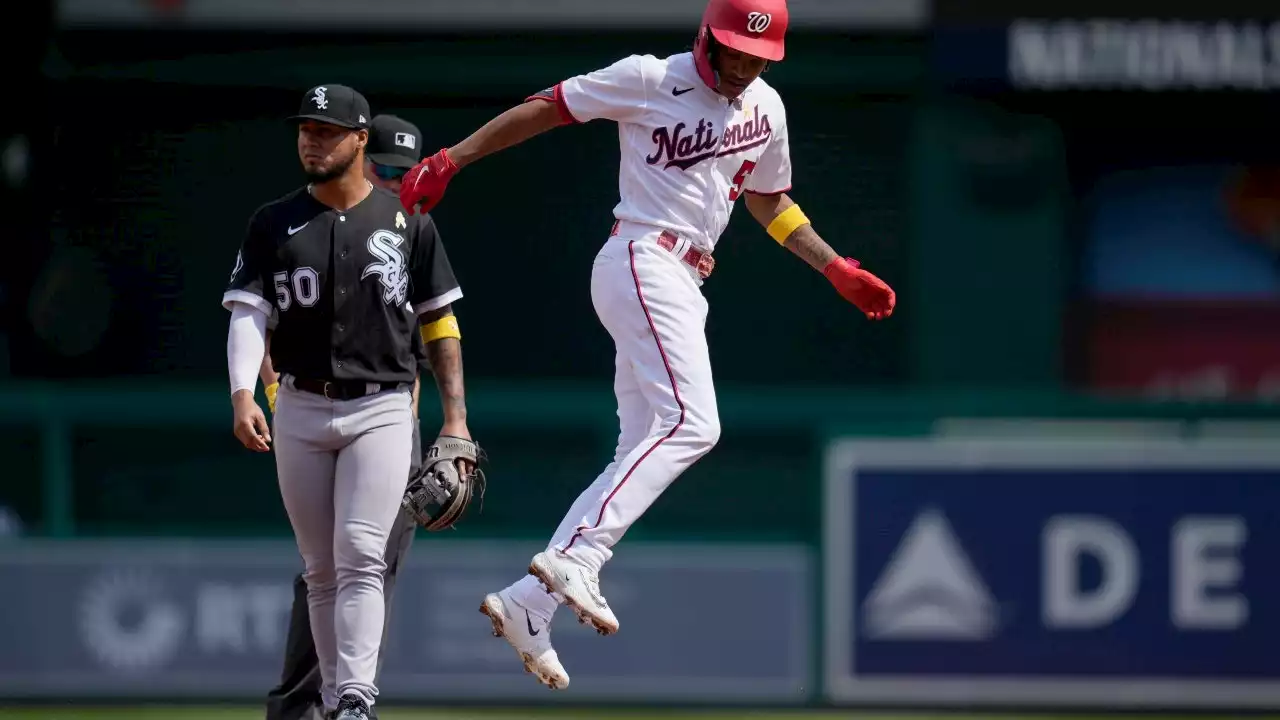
(354, 282)
(395, 146)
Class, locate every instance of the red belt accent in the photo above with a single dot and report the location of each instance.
(701, 262)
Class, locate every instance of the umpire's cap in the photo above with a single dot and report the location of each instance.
(394, 141)
(335, 104)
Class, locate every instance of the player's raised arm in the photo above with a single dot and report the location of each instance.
(618, 92)
(512, 127)
(786, 223)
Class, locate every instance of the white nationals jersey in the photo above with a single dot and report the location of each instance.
(688, 153)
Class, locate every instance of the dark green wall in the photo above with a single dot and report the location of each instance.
(180, 150)
(990, 212)
(163, 146)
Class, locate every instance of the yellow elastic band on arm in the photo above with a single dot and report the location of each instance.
(271, 391)
(445, 327)
(786, 223)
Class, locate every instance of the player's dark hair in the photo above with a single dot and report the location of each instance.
(713, 48)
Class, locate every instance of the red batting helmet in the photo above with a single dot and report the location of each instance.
(755, 27)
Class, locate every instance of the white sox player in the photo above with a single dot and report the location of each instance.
(697, 132)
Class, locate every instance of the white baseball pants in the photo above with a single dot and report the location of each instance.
(652, 306)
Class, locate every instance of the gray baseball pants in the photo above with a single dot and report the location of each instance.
(297, 695)
(343, 466)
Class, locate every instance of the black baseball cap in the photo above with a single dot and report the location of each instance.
(394, 141)
(335, 104)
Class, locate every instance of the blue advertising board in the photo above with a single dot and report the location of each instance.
(1120, 573)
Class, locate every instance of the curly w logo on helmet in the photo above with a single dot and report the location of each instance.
(758, 22)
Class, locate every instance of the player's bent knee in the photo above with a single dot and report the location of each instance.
(702, 432)
(320, 578)
(365, 574)
(362, 558)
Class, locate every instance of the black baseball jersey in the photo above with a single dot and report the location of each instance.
(346, 287)
(419, 348)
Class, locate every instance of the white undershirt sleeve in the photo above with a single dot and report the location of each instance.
(246, 346)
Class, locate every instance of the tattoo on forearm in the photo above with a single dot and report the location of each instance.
(808, 246)
(445, 355)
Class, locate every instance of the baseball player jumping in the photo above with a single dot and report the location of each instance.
(394, 147)
(698, 130)
(351, 279)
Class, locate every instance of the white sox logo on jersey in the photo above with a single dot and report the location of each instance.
(392, 271)
(676, 148)
(758, 22)
(239, 266)
(319, 99)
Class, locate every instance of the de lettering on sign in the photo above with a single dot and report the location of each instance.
(1205, 572)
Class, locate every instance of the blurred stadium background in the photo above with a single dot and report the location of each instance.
(1049, 484)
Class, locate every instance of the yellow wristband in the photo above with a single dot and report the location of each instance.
(786, 223)
(445, 327)
(271, 391)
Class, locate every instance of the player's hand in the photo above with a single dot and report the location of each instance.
(423, 186)
(871, 294)
(458, 429)
(250, 424)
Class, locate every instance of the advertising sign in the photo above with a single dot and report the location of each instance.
(1143, 54)
(949, 12)
(1101, 53)
(159, 618)
(1068, 573)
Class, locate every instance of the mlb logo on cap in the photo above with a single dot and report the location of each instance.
(393, 142)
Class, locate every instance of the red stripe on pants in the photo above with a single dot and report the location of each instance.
(674, 390)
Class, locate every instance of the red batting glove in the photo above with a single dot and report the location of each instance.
(872, 296)
(423, 186)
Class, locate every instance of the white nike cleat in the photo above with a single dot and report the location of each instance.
(531, 639)
(579, 587)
